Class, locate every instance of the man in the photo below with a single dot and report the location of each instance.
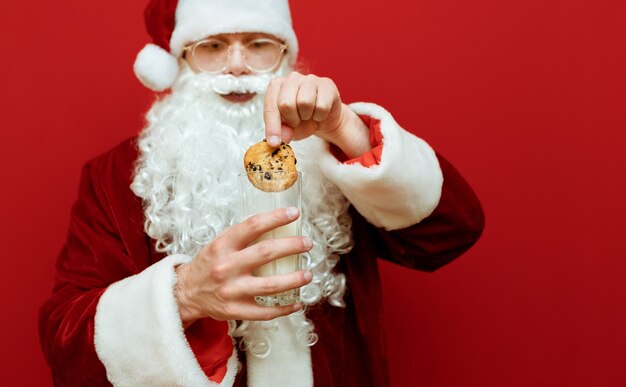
(154, 286)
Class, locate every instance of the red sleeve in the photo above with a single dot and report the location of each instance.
(105, 244)
(212, 346)
(371, 157)
(455, 225)
(66, 321)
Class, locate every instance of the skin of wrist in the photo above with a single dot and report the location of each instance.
(181, 295)
(352, 135)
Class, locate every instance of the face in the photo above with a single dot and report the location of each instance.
(238, 54)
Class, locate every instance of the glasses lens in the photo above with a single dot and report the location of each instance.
(262, 54)
(211, 55)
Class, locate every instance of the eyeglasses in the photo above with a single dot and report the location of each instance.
(213, 56)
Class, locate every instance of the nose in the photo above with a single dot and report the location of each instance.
(236, 64)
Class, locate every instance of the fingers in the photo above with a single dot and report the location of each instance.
(271, 114)
(269, 250)
(287, 134)
(253, 312)
(248, 309)
(294, 101)
(241, 235)
(306, 99)
(267, 286)
(287, 103)
(327, 95)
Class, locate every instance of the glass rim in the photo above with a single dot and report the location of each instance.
(246, 173)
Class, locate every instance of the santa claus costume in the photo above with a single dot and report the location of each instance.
(153, 201)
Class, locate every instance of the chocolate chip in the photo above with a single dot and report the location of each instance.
(268, 176)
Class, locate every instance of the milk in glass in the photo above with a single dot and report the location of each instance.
(253, 201)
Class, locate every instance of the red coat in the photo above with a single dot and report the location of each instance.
(106, 243)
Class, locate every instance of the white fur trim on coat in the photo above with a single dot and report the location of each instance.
(139, 335)
(403, 189)
(289, 362)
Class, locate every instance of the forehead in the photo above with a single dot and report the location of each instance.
(243, 36)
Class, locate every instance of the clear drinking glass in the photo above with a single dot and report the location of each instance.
(253, 201)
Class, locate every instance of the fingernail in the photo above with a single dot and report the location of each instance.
(273, 141)
(308, 275)
(308, 243)
(292, 212)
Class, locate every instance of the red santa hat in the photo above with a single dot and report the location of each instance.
(172, 24)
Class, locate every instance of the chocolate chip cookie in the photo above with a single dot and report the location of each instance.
(271, 169)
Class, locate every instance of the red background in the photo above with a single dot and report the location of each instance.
(527, 99)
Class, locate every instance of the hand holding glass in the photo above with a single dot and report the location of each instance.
(253, 201)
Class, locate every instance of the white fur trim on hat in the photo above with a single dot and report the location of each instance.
(197, 19)
(156, 68)
(139, 334)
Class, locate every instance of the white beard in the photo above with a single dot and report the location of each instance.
(190, 154)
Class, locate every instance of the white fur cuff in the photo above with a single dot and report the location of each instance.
(139, 335)
(403, 189)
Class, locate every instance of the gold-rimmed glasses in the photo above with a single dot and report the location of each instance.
(213, 55)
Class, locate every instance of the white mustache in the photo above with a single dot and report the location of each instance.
(227, 83)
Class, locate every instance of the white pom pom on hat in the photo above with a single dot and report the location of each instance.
(156, 68)
(172, 24)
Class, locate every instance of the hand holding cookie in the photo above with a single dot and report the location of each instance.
(298, 106)
(271, 169)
